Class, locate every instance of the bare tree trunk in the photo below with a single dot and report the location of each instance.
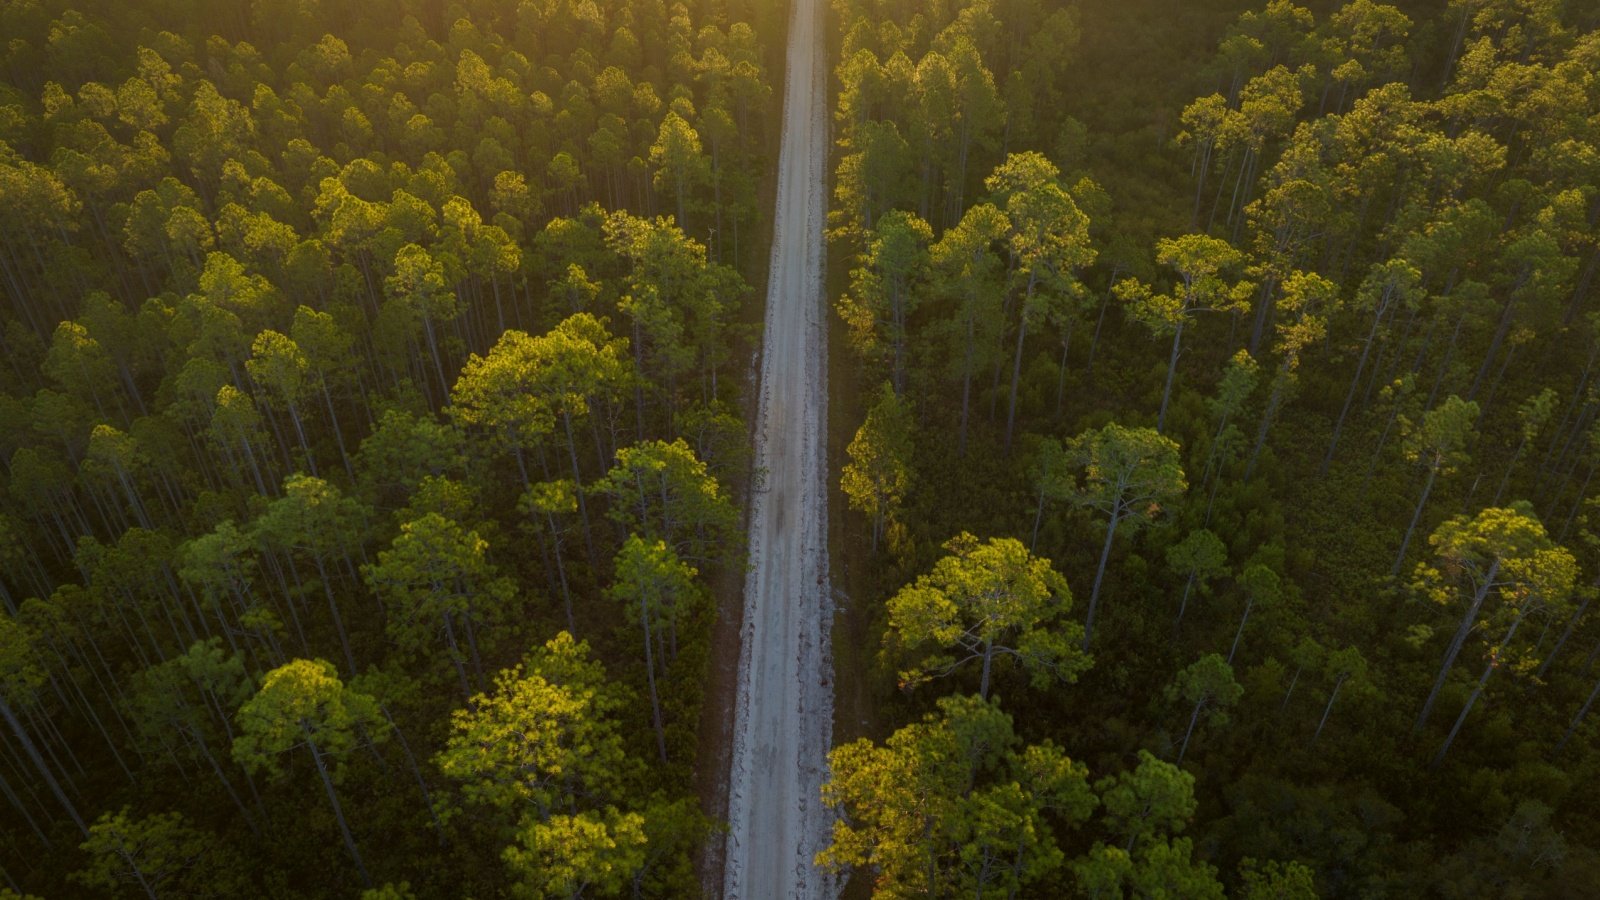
(17, 804)
(1099, 574)
(1172, 368)
(1350, 395)
(1338, 685)
(1477, 692)
(411, 760)
(988, 660)
(650, 672)
(577, 483)
(1248, 606)
(338, 812)
(1578, 719)
(966, 391)
(1465, 628)
(1016, 377)
(1183, 604)
(561, 571)
(1572, 625)
(1038, 518)
(1416, 515)
(338, 621)
(39, 763)
(1193, 718)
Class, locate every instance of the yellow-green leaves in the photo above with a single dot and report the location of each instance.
(878, 474)
(1439, 441)
(303, 704)
(1200, 263)
(951, 805)
(661, 490)
(1128, 471)
(544, 735)
(985, 603)
(1504, 547)
(567, 856)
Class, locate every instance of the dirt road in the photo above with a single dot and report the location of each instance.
(783, 717)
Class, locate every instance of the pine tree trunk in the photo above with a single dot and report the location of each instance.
(650, 671)
(338, 621)
(455, 657)
(1038, 519)
(1477, 691)
(561, 572)
(433, 350)
(1099, 574)
(39, 763)
(1172, 369)
(1248, 606)
(1468, 620)
(1505, 478)
(1264, 303)
(22, 810)
(338, 433)
(338, 812)
(416, 771)
(1193, 719)
(988, 661)
(1183, 604)
(1268, 413)
(1350, 395)
(227, 785)
(1416, 516)
(966, 390)
(1338, 685)
(1016, 378)
(1578, 719)
(1292, 682)
(300, 433)
(1572, 625)
(577, 483)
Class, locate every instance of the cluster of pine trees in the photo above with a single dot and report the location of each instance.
(369, 440)
(1227, 447)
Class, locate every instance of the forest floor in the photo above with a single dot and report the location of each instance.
(784, 711)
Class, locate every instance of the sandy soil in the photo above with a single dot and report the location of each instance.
(783, 716)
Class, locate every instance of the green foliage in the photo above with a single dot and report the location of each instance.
(1128, 473)
(160, 854)
(1154, 799)
(1439, 442)
(570, 856)
(438, 578)
(303, 704)
(1205, 687)
(940, 803)
(1273, 880)
(878, 475)
(662, 491)
(543, 738)
(985, 602)
(1161, 869)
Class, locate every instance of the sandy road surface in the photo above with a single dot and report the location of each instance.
(783, 715)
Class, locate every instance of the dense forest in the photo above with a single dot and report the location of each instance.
(1235, 445)
(372, 428)
(1215, 417)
